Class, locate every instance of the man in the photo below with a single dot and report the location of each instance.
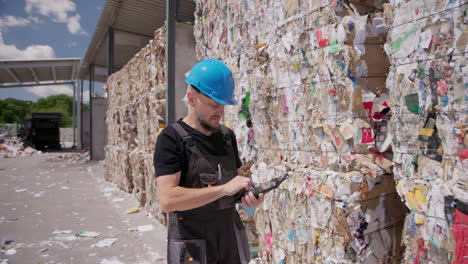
(197, 166)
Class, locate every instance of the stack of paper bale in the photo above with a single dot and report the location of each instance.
(428, 82)
(310, 78)
(137, 102)
(362, 103)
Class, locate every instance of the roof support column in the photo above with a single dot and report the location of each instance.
(170, 61)
(79, 99)
(74, 115)
(110, 51)
(91, 90)
(54, 74)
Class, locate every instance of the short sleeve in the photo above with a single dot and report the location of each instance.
(168, 157)
(236, 150)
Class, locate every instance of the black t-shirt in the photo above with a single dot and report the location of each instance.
(170, 156)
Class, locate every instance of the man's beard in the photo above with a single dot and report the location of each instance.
(207, 126)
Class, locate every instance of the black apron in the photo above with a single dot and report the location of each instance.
(213, 233)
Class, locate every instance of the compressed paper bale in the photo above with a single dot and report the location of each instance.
(132, 126)
(406, 129)
(142, 124)
(429, 168)
(289, 62)
(136, 163)
(150, 182)
(297, 82)
(293, 213)
(126, 182)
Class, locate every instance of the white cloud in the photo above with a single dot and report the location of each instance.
(74, 26)
(11, 52)
(12, 21)
(72, 44)
(58, 10)
(45, 91)
(35, 19)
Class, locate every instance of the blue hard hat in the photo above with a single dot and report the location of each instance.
(214, 79)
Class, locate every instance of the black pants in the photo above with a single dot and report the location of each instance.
(189, 231)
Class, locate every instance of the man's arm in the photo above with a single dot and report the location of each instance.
(173, 197)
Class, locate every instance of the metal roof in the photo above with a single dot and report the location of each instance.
(133, 23)
(16, 73)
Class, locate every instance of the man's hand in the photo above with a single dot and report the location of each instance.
(249, 200)
(235, 185)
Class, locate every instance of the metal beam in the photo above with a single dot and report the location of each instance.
(54, 74)
(91, 89)
(34, 75)
(170, 61)
(12, 74)
(80, 116)
(38, 64)
(74, 116)
(29, 84)
(110, 51)
(72, 75)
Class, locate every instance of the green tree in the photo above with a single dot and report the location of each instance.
(14, 110)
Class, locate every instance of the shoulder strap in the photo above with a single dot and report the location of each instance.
(192, 147)
(181, 131)
(187, 139)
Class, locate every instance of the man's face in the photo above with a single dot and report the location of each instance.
(209, 112)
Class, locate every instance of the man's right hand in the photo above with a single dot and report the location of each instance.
(235, 185)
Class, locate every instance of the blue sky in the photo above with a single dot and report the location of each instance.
(44, 29)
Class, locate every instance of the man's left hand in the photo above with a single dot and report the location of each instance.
(249, 200)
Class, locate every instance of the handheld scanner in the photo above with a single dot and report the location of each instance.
(269, 185)
(262, 187)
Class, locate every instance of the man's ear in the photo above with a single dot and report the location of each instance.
(192, 97)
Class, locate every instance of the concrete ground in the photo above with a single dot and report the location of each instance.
(46, 200)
